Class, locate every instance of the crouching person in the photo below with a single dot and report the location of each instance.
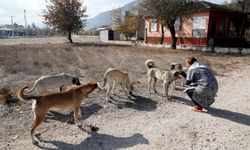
(204, 85)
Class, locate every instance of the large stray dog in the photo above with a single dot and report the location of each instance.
(155, 73)
(69, 99)
(180, 81)
(113, 76)
(44, 83)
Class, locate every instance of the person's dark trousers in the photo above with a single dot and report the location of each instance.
(190, 95)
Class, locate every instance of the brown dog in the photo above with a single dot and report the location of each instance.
(69, 99)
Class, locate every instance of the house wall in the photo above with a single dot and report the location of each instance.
(219, 30)
(223, 34)
(184, 34)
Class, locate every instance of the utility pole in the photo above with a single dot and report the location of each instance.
(25, 19)
(11, 18)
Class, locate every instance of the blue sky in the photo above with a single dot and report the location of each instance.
(34, 8)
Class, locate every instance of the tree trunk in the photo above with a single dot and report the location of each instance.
(162, 34)
(174, 39)
(69, 37)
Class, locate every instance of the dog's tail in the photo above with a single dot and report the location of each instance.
(150, 63)
(24, 98)
(104, 80)
(104, 84)
(30, 90)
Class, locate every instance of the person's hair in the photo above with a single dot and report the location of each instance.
(191, 60)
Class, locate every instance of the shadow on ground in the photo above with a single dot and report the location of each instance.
(135, 102)
(97, 141)
(221, 113)
(181, 100)
(86, 44)
(230, 115)
(86, 113)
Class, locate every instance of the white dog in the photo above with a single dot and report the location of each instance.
(155, 73)
(44, 83)
(112, 76)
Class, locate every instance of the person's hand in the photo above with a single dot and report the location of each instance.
(183, 74)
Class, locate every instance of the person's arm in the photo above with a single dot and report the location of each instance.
(184, 75)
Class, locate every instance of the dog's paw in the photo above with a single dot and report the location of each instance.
(78, 124)
(169, 98)
(70, 121)
(35, 142)
(37, 134)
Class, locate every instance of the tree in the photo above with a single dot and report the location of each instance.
(243, 5)
(166, 12)
(128, 26)
(66, 15)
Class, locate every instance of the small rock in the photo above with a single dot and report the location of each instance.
(15, 137)
(119, 106)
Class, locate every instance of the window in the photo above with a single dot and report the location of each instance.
(177, 24)
(199, 26)
(153, 25)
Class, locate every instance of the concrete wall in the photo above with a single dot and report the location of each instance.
(104, 35)
(222, 50)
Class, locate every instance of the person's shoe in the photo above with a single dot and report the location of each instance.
(196, 108)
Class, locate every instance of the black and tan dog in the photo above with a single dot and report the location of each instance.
(69, 99)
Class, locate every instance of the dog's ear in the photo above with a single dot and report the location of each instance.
(180, 67)
(172, 67)
(76, 81)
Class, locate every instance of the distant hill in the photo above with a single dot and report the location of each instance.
(105, 18)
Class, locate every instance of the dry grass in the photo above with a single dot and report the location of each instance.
(22, 64)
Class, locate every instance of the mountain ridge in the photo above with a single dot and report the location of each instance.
(105, 18)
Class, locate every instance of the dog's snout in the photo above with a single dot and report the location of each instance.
(78, 83)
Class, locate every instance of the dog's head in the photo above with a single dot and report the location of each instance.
(76, 81)
(88, 88)
(176, 66)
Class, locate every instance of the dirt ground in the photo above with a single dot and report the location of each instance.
(146, 121)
